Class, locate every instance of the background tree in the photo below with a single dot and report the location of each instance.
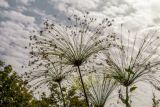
(71, 97)
(13, 92)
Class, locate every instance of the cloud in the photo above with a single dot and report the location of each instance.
(12, 43)
(139, 14)
(106, 7)
(17, 17)
(146, 14)
(42, 14)
(4, 3)
(25, 2)
(14, 32)
(76, 4)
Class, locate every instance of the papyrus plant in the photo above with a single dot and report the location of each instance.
(155, 101)
(47, 74)
(100, 90)
(135, 58)
(75, 42)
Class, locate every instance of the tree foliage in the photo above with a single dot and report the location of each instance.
(72, 98)
(13, 92)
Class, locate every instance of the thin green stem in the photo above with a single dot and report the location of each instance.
(60, 87)
(127, 98)
(85, 94)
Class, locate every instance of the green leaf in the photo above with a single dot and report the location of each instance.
(133, 88)
(129, 70)
(123, 100)
(1, 63)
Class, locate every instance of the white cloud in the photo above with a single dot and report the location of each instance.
(15, 26)
(13, 40)
(134, 14)
(147, 11)
(13, 34)
(77, 4)
(25, 2)
(43, 14)
(18, 17)
(4, 3)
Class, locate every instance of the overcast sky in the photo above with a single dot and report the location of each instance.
(18, 17)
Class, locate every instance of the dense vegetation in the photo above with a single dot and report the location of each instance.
(13, 92)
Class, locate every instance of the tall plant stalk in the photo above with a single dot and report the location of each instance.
(60, 87)
(85, 94)
(127, 97)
